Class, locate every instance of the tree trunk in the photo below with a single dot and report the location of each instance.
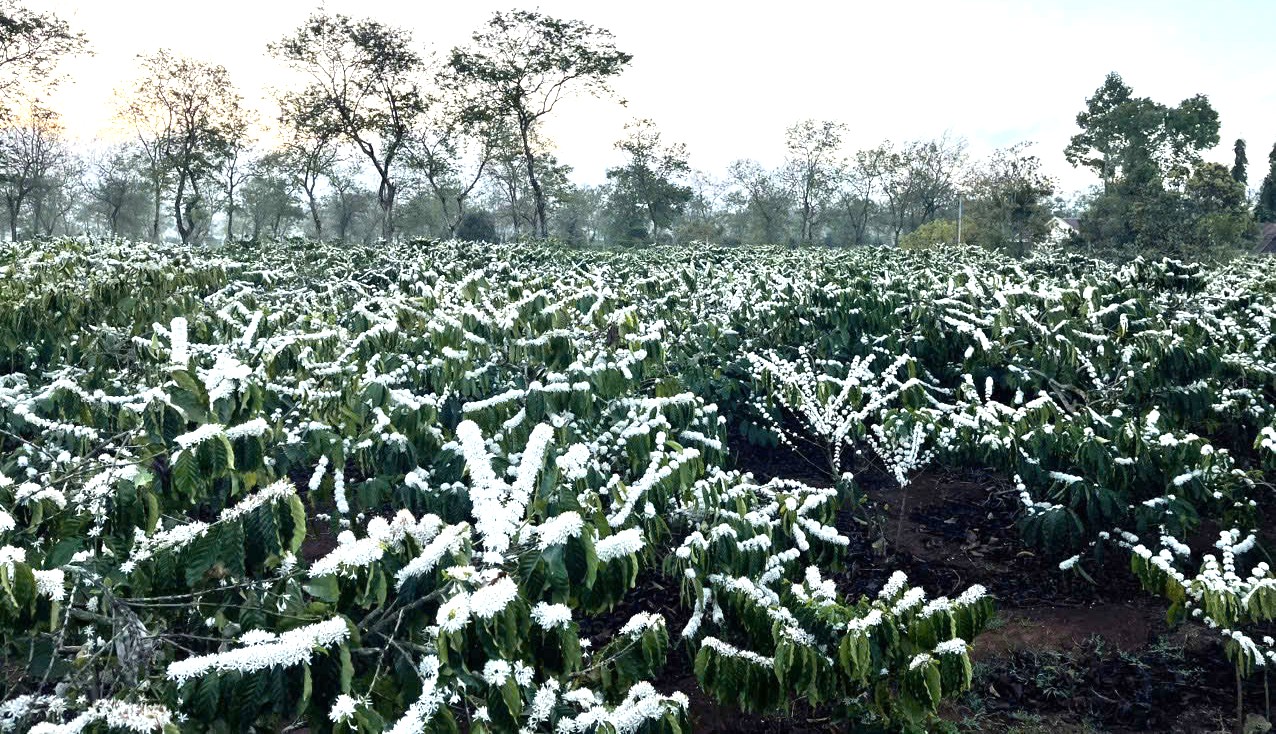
(155, 223)
(157, 190)
(314, 213)
(386, 194)
(344, 217)
(861, 226)
(460, 214)
(538, 196)
(14, 207)
(651, 217)
(512, 188)
(182, 231)
(198, 229)
(441, 197)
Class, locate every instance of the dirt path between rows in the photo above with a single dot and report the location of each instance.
(1063, 655)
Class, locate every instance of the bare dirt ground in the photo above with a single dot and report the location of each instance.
(1064, 655)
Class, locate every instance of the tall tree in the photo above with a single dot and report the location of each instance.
(1136, 138)
(518, 67)
(764, 201)
(702, 217)
(367, 83)
(310, 150)
(935, 166)
(1010, 200)
(1217, 211)
(649, 182)
(901, 190)
(1265, 209)
(55, 195)
(452, 153)
(1144, 153)
(1240, 162)
(116, 191)
(31, 44)
(347, 202)
(150, 141)
(578, 221)
(506, 182)
(30, 149)
(1098, 145)
(195, 114)
(510, 197)
(269, 197)
(919, 181)
(810, 169)
(859, 180)
(229, 177)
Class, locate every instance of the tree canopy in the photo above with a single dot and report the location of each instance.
(647, 186)
(1123, 136)
(195, 116)
(31, 44)
(366, 84)
(521, 64)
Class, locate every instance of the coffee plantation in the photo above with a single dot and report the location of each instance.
(407, 488)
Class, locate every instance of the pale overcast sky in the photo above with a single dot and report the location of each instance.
(726, 78)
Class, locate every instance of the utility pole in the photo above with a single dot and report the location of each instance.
(959, 219)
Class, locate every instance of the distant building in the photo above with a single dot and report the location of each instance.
(1061, 228)
(1266, 239)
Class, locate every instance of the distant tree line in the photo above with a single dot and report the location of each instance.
(1156, 194)
(386, 139)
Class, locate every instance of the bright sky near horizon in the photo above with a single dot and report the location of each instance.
(727, 78)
